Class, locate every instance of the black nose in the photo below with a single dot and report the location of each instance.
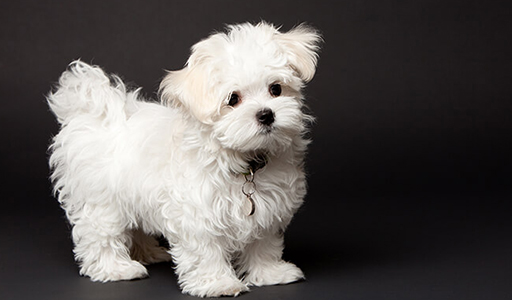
(265, 116)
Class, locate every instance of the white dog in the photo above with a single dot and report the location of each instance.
(217, 170)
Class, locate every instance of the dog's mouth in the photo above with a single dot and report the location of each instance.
(266, 129)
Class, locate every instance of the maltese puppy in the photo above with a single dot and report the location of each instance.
(217, 168)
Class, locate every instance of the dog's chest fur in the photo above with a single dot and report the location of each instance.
(216, 204)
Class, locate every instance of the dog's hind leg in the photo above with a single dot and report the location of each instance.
(101, 248)
(146, 249)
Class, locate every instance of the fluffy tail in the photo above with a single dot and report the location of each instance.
(85, 89)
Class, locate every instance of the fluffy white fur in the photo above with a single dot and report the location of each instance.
(125, 170)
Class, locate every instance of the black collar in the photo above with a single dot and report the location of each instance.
(257, 163)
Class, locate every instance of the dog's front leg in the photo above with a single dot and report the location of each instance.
(203, 268)
(262, 264)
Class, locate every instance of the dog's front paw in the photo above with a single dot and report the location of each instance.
(279, 273)
(215, 287)
(234, 289)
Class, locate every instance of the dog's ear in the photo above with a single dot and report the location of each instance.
(193, 87)
(187, 88)
(301, 45)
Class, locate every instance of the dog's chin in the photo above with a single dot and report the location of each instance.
(271, 140)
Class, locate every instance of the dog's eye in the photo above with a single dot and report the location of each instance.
(234, 99)
(275, 90)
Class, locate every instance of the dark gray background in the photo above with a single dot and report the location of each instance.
(410, 168)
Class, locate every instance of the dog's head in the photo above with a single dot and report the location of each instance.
(246, 84)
